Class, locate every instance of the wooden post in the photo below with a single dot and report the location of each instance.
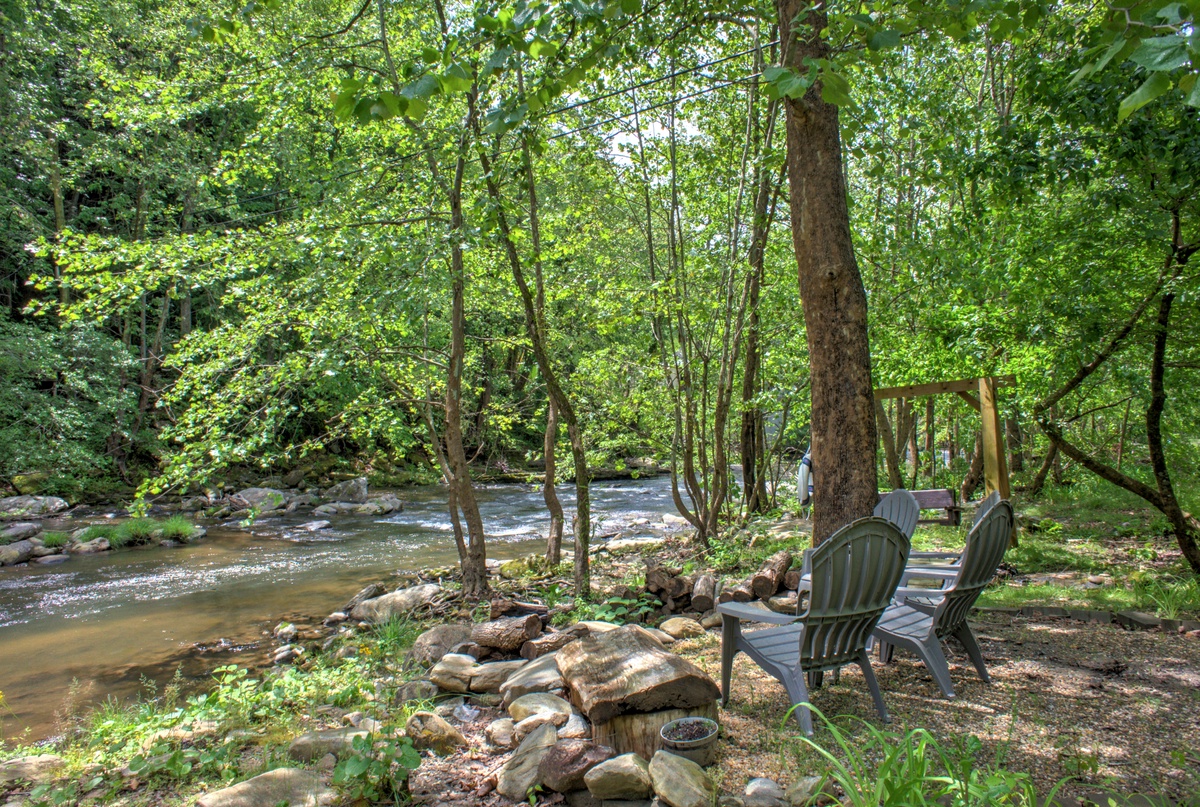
(995, 466)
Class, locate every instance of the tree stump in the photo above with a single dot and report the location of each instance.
(627, 671)
(704, 593)
(639, 733)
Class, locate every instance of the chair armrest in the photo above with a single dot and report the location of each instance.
(752, 613)
(932, 572)
(904, 593)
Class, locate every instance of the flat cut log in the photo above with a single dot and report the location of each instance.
(507, 633)
(704, 593)
(625, 671)
(742, 592)
(769, 578)
(791, 580)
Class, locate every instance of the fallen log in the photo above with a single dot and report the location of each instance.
(505, 607)
(704, 593)
(769, 578)
(507, 633)
(549, 642)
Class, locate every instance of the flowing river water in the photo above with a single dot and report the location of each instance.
(107, 621)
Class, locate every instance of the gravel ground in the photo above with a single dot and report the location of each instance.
(1102, 705)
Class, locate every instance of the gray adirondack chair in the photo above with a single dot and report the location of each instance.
(900, 507)
(854, 575)
(949, 560)
(921, 619)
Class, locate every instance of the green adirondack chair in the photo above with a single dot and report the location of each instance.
(854, 574)
(921, 618)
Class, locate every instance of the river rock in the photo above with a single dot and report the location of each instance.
(261, 498)
(17, 552)
(398, 603)
(19, 506)
(293, 478)
(538, 703)
(491, 676)
(525, 727)
(762, 792)
(680, 782)
(682, 628)
(427, 730)
(420, 690)
(436, 642)
(352, 490)
(627, 670)
(566, 763)
(37, 769)
(576, 728)
(326, 510)
(314, 526)
(313, 745)
(521, 771)
(624, 777)
(19, 531)
(539, 675)
(501, 733)
(194, 504)
(367, 593)
(282, 787)
(92, 547)
(50, 560)
(453, 672)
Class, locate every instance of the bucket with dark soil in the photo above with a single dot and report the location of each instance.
(694, 738)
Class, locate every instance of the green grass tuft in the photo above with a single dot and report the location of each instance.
(177, 528)
(54, 540)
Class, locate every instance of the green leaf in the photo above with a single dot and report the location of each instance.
(357, 765)
(1193, 96)
(631, 6)
(1162, 53)
(539, 48)
(455, 79)
(888, 38)
(835, 89)
(1156, 85)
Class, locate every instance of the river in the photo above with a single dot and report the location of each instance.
(107, 621)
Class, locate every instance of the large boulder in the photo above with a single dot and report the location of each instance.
(680, 627)
(17, 552)
(313, 745)
(624, 777)
(37, 769)
(21, 506)
(680, 782)
(92, 547)
(369, 592)
(568, 761)
(520, 773)
(627, 670)
(427, 730)
(538, 703)
(19, 531)
(261, 498)
(352, 490)
(539, 675)
(436, 642)
(282, 787)
(397, 604)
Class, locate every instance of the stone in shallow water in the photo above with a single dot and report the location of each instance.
(282, 787)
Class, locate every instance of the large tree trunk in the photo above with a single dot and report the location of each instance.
(975, 472)
(831, 287)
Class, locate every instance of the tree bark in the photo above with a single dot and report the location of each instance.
(975, 472)
(549, 494)
(507, 634)
(890, 460)
(831, 288)
(769, 577)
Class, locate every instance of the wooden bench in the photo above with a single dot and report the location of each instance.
(939, 499)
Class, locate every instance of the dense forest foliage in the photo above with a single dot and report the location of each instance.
(426, 237)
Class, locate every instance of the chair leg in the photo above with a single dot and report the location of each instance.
(887, 652)
(935, 661)
(864, 661)
(815, 679)
(798, 693)
(967, 636)
(729, 637)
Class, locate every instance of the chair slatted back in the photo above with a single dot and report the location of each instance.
(986, 544)
(901, 508)
(981, 510)
(854, 576)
